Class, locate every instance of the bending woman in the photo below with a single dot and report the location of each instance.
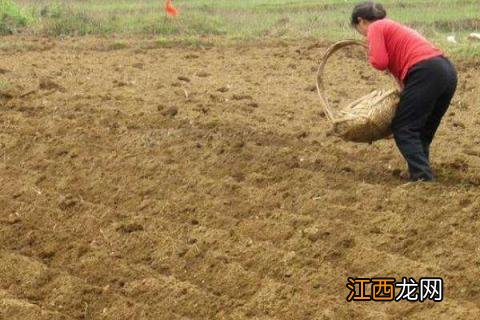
(427, 78)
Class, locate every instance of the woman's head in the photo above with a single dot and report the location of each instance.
(365, 13)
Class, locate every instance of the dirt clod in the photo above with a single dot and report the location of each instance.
(171, 112)
(49, 84)
(241, 97)
(183, 78)
(203, 74)
(312, 233)
(67, 202)
(223, 89)
(130, 227)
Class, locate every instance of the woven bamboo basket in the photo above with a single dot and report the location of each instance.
(366, 119)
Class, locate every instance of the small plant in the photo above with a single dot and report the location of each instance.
(118, 45)
(53, 11)
(12, 17)
(60, 19)
(3, 84)
(189, 41)
(72, 23)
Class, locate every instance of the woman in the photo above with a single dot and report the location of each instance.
(428, 81)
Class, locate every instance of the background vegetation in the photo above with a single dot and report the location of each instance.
(237, 20)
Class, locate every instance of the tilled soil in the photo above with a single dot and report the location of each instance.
(140, 182)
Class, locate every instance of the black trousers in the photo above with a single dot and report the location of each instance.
(429, 88)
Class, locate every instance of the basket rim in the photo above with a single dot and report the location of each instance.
(320, 72)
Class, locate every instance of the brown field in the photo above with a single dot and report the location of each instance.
(141, 182)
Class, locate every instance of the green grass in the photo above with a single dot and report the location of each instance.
(12, 17)
(241, 19)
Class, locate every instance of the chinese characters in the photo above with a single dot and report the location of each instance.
(387, 289)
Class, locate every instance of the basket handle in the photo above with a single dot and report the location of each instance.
(320, 86)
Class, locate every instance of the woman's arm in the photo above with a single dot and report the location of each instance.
(377, 51)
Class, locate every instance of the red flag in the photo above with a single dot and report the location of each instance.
(170, 9)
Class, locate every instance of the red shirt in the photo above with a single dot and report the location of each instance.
(397, 48)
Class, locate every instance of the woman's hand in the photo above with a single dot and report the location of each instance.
(400, 85)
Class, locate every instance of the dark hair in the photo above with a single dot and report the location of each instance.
(368, 10)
